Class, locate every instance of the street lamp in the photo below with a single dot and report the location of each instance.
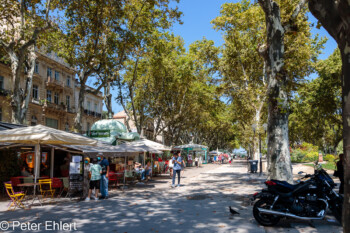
(254, 127)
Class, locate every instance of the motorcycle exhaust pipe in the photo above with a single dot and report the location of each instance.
(272, 212)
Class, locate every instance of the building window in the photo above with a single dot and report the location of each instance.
(56, 99)
(36, 68)
(48, 96)
(66, 127)
(95, 108)
(68, 101)
(52, 123)
(57, 75)
(35, 92)
(34, 121)
(49, 72)
(89, 105)
(68, 81)
(1, 82)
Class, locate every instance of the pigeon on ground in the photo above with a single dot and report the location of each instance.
(233, 212)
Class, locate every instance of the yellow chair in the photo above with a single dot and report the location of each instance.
(46, 187)
(16, 197)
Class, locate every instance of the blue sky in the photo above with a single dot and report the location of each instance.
(196, 24)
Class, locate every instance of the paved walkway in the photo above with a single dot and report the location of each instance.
(200, 205)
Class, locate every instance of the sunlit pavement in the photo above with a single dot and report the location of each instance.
(199, 205)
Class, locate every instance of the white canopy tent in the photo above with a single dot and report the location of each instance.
(107, 150)
(214, 152)
(192, 146)
(40, 134)
(151, 144)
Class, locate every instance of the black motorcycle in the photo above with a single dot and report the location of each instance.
(307, 200)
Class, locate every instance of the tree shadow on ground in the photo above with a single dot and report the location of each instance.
(202, 208)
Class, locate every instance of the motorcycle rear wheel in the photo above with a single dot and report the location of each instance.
(264, 219)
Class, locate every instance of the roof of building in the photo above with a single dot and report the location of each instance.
(119, 115)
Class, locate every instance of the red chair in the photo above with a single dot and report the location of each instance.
(16, 181)
(56, 183)
(113, 178)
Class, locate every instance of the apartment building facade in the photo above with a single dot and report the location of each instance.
(53, 97)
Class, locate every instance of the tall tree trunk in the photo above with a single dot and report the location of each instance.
(335, 18)
(21, 97)
(279, 162)
(16, 69)
(345, 54)
(108, 99)
(31, 60)
(80, 111)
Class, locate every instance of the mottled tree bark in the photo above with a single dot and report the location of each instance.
(80, 110)
(108, 99)
(278, 154)
(16, 68)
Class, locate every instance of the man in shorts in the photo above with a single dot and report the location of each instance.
(95, 170)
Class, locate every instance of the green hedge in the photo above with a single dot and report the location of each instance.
(306, 152)
(330, 158)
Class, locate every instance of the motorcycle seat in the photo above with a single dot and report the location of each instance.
(286, 185)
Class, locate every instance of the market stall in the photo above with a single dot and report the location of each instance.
(193, 150)
(158, 166)
(41, 135)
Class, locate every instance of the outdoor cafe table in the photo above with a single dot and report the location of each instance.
(27, 185)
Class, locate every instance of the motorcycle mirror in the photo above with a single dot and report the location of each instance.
(301, 172)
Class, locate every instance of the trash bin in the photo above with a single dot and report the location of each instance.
(253, 166)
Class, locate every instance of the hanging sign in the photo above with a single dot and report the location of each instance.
(100, 133)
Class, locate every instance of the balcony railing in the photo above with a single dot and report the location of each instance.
(92, 113)
(53, 82)
(54, 106)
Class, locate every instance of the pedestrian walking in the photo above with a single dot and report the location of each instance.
(104, 177)
(196, 162)
(177, 161)
(95, 173)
